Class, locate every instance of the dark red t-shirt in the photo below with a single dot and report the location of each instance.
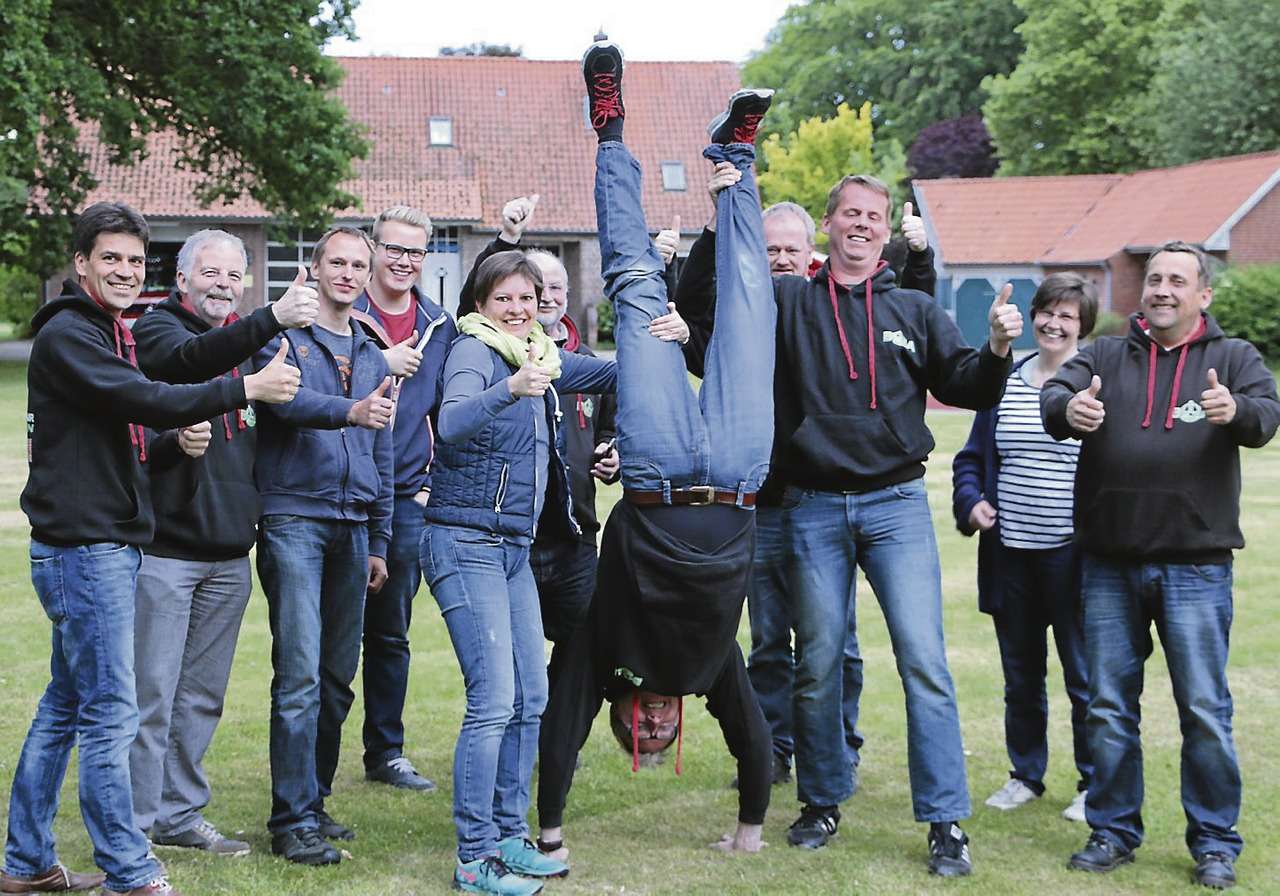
(399, 327)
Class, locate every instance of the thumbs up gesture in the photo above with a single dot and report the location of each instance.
(516, 215)
(299, 305)
(1217, 401)
(530, 381)
(913, 228)
(374, 410)
(1006, 322)
(1085, 412)
(276, 383)
(403, 358)
(667, 242)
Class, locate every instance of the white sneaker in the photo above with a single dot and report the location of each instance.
(1012, 795)
(1075, 812)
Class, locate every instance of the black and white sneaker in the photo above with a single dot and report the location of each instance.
(740, 119)
(1215, 870)
(815, 826)
(602, 70)
(204, 836)
(948, 850)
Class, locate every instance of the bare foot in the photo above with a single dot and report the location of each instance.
(728, 843)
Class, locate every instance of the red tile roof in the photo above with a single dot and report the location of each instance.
(1087, 218)
(518, 127)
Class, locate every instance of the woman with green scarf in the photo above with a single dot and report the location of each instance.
(498, 461)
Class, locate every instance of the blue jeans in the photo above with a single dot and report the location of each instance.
(1191, 607)
(668, 437)
(87, 592)
(1041, 590)
(889, 533)
(487, 596)
(387, 615)
(771, 666)
(314, 573)
(565, 572)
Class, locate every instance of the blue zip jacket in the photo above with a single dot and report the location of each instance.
(416, 397)
(974, 475)
(485, 474)
(311, 462)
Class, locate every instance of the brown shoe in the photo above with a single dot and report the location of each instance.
(158, 887)
(56, 880)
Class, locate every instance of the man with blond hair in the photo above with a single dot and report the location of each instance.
(414, 334)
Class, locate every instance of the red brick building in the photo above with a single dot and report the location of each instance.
(458, 137)
(989, 231)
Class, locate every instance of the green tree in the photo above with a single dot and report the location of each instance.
(804, 165)
(1216, 91)
(1074, 103)
(243, 86)
(917, 63)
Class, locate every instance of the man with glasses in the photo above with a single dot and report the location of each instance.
(415, 334)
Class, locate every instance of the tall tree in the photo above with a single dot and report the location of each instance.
(1216, 91)
(803, 165)
(243, 85)
(958, 147)
(1074, 103)
(916, 62)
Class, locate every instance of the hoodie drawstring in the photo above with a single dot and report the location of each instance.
(844, 341)
(126, 349)
(635, 731)
(1177, 378)
(679, 732)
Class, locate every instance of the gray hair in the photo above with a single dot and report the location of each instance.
(539, 255)
(405, 214)
(791, 208)
(202, 238)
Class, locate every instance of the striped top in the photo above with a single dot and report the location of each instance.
(1037, 473)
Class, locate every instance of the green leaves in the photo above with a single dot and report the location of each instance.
(244, 86)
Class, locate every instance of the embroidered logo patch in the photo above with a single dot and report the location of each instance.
(626, 674)
(249, 416)
(1190, 412)
(31, 434)
(896, 337)
(304, 351)
(588, 408)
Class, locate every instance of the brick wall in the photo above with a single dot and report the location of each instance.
(1256, 237)
(1126, 282)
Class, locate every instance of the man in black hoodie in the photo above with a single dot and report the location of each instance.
(89, 504)
(1157, 516)
(856, 355)
(194, 583)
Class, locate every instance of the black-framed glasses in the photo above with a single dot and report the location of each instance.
(396, 251)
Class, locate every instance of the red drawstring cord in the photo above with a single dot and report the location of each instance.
(1151, 384)
(835, 312)
(871, 345)
(844, 341)
(582, 418)
(635, 731)
(679, 732)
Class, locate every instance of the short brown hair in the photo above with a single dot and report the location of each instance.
(1068, 287)
(1201, 257)
(317, 254)
(875, 184)
(499, 267)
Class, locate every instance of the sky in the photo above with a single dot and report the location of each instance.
(562, 29)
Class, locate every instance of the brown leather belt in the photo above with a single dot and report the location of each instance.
(694, 496)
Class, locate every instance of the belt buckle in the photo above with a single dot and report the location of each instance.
(706, 495)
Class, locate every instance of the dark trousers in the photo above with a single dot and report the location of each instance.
(1041, 590)
(565, 572)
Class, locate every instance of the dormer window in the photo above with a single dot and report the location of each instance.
(440, 131)
(673, 180)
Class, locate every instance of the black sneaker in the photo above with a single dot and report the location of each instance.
(738, 122)
(399, 772)
(1216, 870)
(602, 69)
(305, 847)
(815, 826)
(333, 830)
(948, 850)
(1100, 855)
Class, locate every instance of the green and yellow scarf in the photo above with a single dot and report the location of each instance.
(513, 349)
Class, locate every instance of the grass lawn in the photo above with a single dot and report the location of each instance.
(647, 833)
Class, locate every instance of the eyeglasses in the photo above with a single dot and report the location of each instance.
(396, 251)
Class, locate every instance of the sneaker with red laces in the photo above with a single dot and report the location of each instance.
(602, 70)
(740, 119)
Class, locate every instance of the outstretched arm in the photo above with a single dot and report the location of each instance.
(733, 703)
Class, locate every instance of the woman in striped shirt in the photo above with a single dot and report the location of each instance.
(1013, 483)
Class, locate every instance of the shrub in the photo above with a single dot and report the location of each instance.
(19, 298)
(1246, 302)
(604, 320)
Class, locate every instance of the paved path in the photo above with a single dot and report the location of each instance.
(16, 350)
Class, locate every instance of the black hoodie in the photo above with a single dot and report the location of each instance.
(206, 507)
(1157, 481)
(85, 480)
